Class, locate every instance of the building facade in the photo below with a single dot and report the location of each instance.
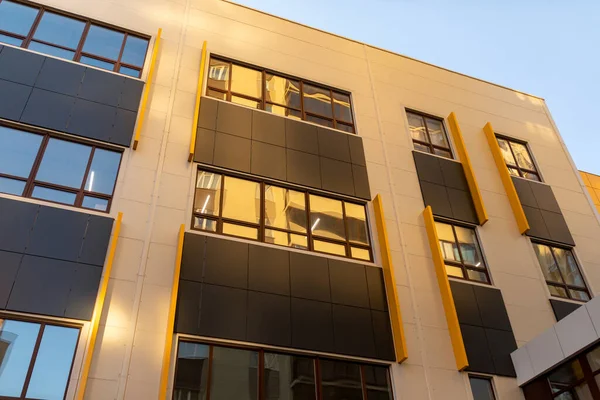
(202, 201)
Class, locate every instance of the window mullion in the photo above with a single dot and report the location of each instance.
(308, 222)
(79, 50)
(209, 374)
(36, 349)
(80, 192)
(347, 241)
(36, 165)
(34, 27)
(118, 63)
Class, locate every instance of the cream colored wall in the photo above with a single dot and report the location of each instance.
(156, 183)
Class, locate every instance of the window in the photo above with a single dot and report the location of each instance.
(461, 252)
(518, 159)
(289, 97)
(482, 388)
(50, 168)
(561, 272)
(35, 359)
(74, 38)
(280, 215)
(428, 134)
(213, 372)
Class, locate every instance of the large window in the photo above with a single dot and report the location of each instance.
(280, 215)
(461, 252)
(428, 134)
(278, 94)
(561, 272)
(50, 168)
(482, 387)
(212, 372)
(577, 379)
(518, 158)
(35, 359)
(71, 37)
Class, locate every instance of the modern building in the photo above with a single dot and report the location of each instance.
(202, 201)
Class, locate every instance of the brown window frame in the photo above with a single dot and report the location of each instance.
(483, 378)
(43, 323)
(31, 182)
(261, 227)
(520, 169)
(79, 49)
(262, 101)
(432, 147)
(588, 376)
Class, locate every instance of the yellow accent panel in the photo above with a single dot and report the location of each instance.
(164, 376)
(584, 177)
(468, 168)
(93, 334)
(460, 354)
(144, 103)
(389, 279)
(509, 187)
(197, 109)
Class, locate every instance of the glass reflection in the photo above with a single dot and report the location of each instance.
(317, 100)
(357, 223)
(191, 376)
(135, 51)
(64, 163)
(447, 241)
(51, 50)
(218, 74)
(568, 267)
(342, 108)
(97, 63)
(452, 270)
(208, 193)
(285, 209)
(103, 171)
(326, 218)
(205, 224)
(468, 246)
(245, 102)
(18, 150)
(377, 382)
(506, 152)
(340, 380)
(246, 81)
(522, 155)
(330, 248)
(103, 42)
(288, 377)
(95, 203)
(546, 260)
(565, 376)
(285, 239)
(417, 129)
(9, 39)
(361, 254)
(282, 91)
(234, 374)
(241, 200)
(283, 111)
(18, 339)
(16, 18)
(130, 72)
(320, 121)
(436, 132)
(240, 231)
(60, 30)
(12, 186)
(481, 388)
(57, 196)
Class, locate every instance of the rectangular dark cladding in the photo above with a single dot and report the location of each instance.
(240, 291)
(485, 327)
(68, 97)
(545, 217)
(256, 142)
(563, 308)
(444, 187)
(51, 259)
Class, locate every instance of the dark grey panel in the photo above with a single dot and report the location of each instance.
(223, 312)
(312, 326)
(333, 144)
(232, 152)
(61, 77)
(226, 263)
(376, 285)
(537, 226)
(361, 182)
(303, 168)
(268, 128)
(187, 318)
(348, 284)
(57, 233)
(491, 308)
(436, 196)
(122, 132)
(525, 192)
(357, 150)
(93, 120)
(269, 270)
(462, 205)
(16, 222)
(234, 120)
(309, 277)
(562, 308)
(101, 87)
(501, 344)
(353, 331)
(557, 227)
(208, 113)
(9, 265)
(131, 95)
(13, 98)
(20, 66)
(84, 290)
(477, 348)
(301, 136)
(454, 174)
(269, 319)
(95, 243)
(465, 303)
(544, 197)
(48, 109)
(192, 257)
(428, 168)
(205, 146)
(384, 341)
(336, 176)
(268, 160)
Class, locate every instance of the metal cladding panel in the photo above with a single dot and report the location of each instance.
(67, 97)
(267, 295)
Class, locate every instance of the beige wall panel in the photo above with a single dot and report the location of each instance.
(507, 389)
(581, 224)
(447, 384)
(438, 349)
(412, 344)
(522, 291)
(409, 382)
(529, 322)
(431, 312)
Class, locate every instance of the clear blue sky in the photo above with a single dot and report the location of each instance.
(549, 48)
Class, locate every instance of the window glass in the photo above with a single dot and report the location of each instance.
(326, 217)
(57, 196)
(59, 29)
(245, 102)
(9, 39)
(320, 121)
(341, 105)
(557, 291)
(94, 62)
(317, 100)
(240, 231)
(282, 91)
(216, 95)
(205, 224)
(549, 267)
(53, 363)
(357, 223)
(51, 50)
(453, 270)
(579, 295)
(532, 176)
(283, 111)
(246, 81)
(21, 338)
(285, 239)
(421, 147)
(565, 376)
(340, 380)
(506, 152)
(468, 246)
(417, 128)
(361, 254)
(447, 241)
(95, 203)
(234, 374)
(135, 51)
(191, 375)
(285, 209)
(18, 150)
(103, 42)
(443, 153)
(328, 247)
(12, 186)
(16, 18)
(344, 127)
(130, 72)
(241, 200)
(568, 267)
(377, 382)
(477, 275)
(208, 193)
(103, 171)
(522, 155)
(288, 377)
(218, 74)
(436, 132)
(64, 163)
(593, 358)
(481, 388)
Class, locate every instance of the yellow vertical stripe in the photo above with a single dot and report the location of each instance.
(197, 109)
(144, 102)
(95, 323)
(509, 186)
(463, 155)
(460, 354)
(164, 376)
(389, 279)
